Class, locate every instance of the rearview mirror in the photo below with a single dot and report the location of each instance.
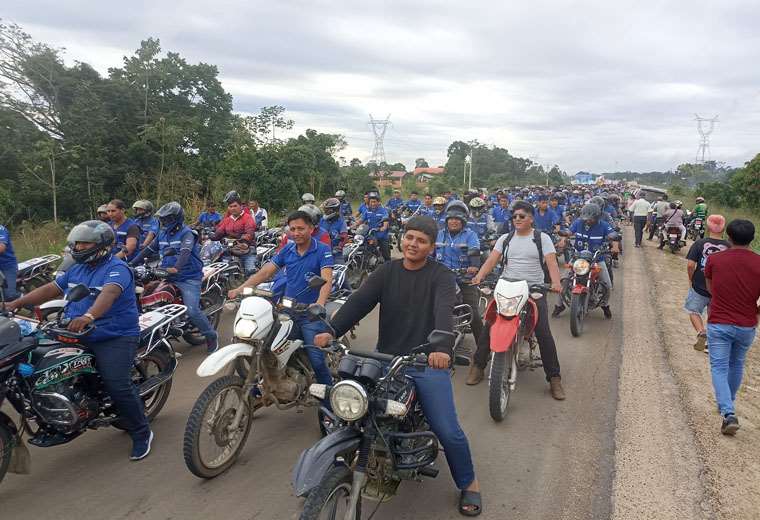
(441, 339)
(315, 282)
(77, 293)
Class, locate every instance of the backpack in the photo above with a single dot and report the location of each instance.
(539, 246)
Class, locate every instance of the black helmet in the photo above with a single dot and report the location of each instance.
(232, 196)
(590, 212)
(457, 209)
(314, 212)
(171, 215)
(94, 232)
(331, 207)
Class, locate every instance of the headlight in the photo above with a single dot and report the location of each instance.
(508, 306)
(349, 400)
(244, 329)
(358, 239)
(581, 266)
(288, 303)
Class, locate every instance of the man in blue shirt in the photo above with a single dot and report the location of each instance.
(502, 216)
(395, 202)
(334, 225)
(112, 308)
(377, 218)
(144, 218)
(439, 211)
(302, 258)
(177, 245)
(209, 218)
(459, 248)
(127, 231)
(345, 206)
(8, 263)
(364, 204)
(414, 202)
(544, 219)
(558, 209)
(427, 209)
(480, 220)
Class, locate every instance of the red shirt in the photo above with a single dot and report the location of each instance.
(242, 227)
(735, 287)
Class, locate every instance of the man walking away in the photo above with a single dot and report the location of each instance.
(699, 298)
(639, 210)
(659, 209)
(733, 279)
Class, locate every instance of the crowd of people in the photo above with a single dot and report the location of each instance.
(449, 245)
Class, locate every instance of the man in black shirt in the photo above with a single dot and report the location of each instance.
(698, 297)
(416, 296)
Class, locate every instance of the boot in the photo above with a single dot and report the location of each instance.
(475, 375)
(555, 387)
(557, 310)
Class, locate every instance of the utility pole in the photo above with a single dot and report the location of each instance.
(379, 127)
(704, 137)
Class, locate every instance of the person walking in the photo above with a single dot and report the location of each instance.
(733, 279)
(639, 210)
(658, 212)
(698, 297)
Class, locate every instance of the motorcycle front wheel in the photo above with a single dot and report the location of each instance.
(577, 314)
(7, 443)
(499, 390)
(211, 445)
(329, 500)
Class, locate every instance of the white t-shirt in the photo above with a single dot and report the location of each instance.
(522, 257)
(640, 208)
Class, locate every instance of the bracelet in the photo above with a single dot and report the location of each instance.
(90, 316)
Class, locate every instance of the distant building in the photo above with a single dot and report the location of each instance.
(583, 178)
(425, 175)
(393, 179)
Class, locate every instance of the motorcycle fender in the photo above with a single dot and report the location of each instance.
(503, 332)
(580, 289)
(222, 357)
(316, 461)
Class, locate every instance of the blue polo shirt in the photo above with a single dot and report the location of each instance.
(545, 222)
(8, 258)
(375, 218)
(334, 228)
(147, 225)
(478, 225)
(177, 239)
(298, 268)
(440, 218)
(592, 237)
(121, 236)
(394, 203)
(413, 204)
(122, 318)
(453, 250)
(345, 209)
(209, 219)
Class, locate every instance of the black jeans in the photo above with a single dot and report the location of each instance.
(543, 333)
(471, 296)
(653, 229)
(638, 228)
(385, 248)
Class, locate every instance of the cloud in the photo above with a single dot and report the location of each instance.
(588, 85)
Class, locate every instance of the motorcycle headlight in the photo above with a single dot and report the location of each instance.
(581, 266)
(349, 400)
(244, 329)
(508, 306)
(358, 239)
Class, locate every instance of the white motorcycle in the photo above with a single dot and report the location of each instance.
(280, 374)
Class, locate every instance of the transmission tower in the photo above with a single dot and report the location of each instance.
(705, 127)
(379, 127)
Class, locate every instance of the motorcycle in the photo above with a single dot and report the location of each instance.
(382, 435)
(696, 229)
(36, 272)
(513, 314)
(280, 375)
(154, 291)
(52, 382)
(671, 236)
(361, 255)
(581, 289)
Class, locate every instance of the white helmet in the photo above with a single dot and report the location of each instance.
(308, 198)
(314, 212)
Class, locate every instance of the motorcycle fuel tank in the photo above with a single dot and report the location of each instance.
(62, 363)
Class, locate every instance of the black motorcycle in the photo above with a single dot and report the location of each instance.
(361, 255)
(36, 272)
(52, 381)
(380, 438)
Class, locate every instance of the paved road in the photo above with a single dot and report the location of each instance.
(549, 459)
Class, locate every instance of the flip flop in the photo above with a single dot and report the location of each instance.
(472, 499)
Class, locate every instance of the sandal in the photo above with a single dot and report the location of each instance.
(470, 503)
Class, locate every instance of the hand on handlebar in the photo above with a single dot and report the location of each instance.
(439, 360)
(12, 306)
(556, 287)
(78, 324)
(323, 339)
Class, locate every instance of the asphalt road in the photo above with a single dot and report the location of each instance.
(548, 459)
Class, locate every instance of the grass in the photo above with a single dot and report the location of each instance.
(32, 239)
(734, 213)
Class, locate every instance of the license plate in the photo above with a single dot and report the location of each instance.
(673, 236)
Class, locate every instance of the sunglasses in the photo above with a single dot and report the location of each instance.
(519, 216)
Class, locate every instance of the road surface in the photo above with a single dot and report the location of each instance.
(548, 459)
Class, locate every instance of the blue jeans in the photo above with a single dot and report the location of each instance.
(191, 298)
(728, 349)
(436, 396)
(10, 272)
(306, 330)
(114, 359)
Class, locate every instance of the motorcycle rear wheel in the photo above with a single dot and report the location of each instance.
(499, 390)
(325, 501)
(215, 428)
(577, 314)
(154, 401)
(210, 300)
(7, 442)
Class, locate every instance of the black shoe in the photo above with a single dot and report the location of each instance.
(730, 425)
(607, 312)
(557, 310)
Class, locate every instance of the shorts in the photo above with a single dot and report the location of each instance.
(695, 302)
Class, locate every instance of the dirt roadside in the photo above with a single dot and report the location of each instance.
(731, 465)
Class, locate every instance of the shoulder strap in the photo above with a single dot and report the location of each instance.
(505, 248)
(540, 247)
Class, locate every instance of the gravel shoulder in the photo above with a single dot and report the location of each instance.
(730, 465)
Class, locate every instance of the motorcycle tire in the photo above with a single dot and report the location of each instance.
(197, 423)
(499, 390)
(334, 487)
(577, 314)
(7, 443)
(155, 401)
(674, 248)
(193, 337)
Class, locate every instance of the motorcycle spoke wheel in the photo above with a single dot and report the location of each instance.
(149, 366)
(498, 385)
(211, 444)
(7, 442)
(329, 500)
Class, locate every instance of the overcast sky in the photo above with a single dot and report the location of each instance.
(589, 85)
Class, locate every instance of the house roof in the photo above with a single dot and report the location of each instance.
(392, 175)
(432, 171)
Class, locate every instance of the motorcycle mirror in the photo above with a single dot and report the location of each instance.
(79, 292)
(315, 282)
(441, 339)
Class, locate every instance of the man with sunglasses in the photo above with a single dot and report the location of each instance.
(528, 255)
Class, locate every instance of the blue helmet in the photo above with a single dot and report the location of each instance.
(171, 215)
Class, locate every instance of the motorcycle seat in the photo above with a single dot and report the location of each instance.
(26, 344)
